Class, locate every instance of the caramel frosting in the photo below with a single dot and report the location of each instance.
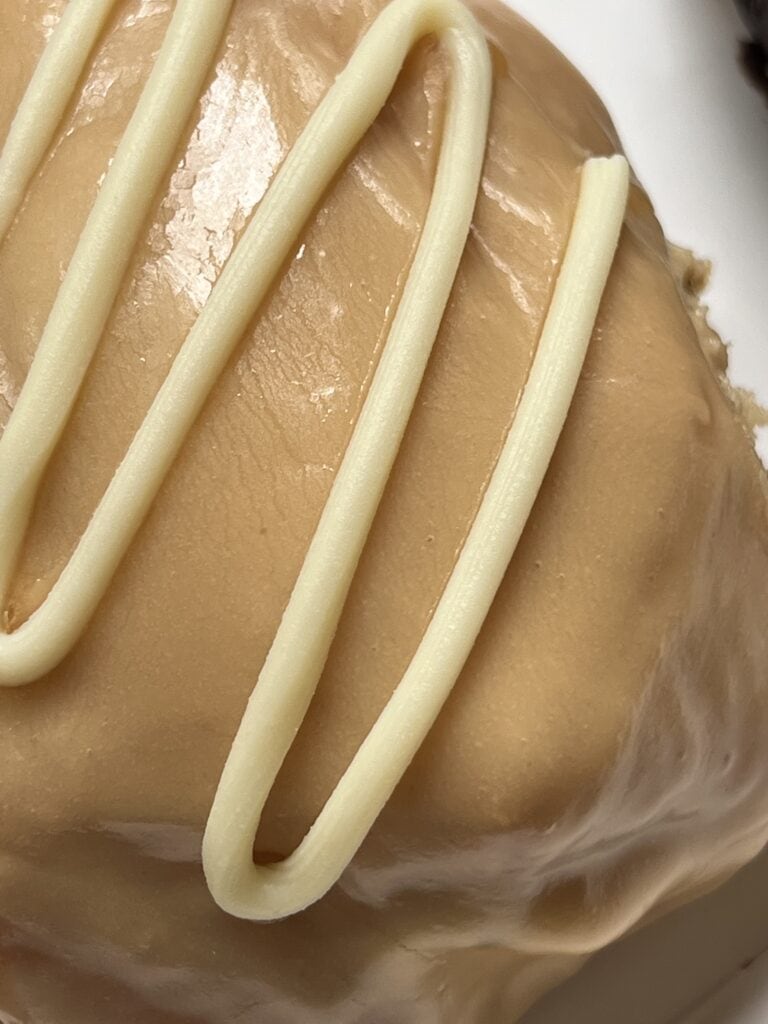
(572, 783)
(295, 661)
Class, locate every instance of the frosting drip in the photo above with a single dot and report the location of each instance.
(293, 666)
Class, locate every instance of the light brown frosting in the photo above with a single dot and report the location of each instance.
(574, 779)
(294, 663)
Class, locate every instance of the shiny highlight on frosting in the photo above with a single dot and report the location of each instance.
(74, 328)
(293, 666)
(43, 105)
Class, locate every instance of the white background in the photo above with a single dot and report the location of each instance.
(697, 134)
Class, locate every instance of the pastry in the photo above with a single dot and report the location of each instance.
(367, 462)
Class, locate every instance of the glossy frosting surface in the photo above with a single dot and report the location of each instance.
(574, 779)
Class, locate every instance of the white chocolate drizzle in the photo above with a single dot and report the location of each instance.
(290, 674)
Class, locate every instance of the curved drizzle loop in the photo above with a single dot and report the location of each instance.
(77, 321)
(293, 666)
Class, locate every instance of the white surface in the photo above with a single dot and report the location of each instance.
(697, 134)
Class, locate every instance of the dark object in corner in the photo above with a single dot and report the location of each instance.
(754, 56)
(755, 13)
(754, 61)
